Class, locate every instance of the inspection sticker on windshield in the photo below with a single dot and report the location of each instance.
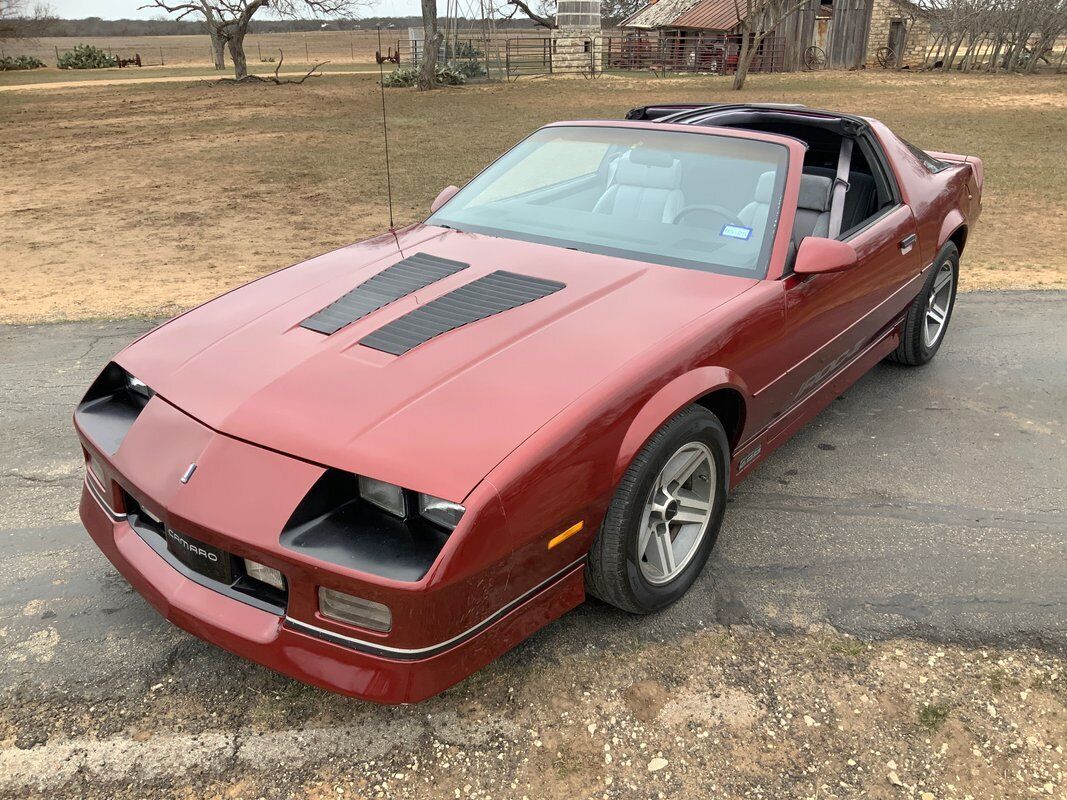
(736, 232)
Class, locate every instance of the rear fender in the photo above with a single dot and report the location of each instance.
(668, 401)
(954, 219)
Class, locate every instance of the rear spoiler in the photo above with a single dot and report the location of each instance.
(661, 110)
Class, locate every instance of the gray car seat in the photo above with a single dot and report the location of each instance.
(755, 214)
(813, 208)
(645, 186)
(860, 199)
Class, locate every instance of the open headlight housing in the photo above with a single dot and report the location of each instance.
(371, 526)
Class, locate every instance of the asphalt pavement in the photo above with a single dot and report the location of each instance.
(924, 502)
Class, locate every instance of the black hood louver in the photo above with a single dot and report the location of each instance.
(481, 298)
(404, 277)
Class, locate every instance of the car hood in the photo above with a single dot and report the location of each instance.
(438, 418)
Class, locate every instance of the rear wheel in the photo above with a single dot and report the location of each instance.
(665, 516)
(929, 314)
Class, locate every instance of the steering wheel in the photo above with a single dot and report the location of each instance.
(729, 216)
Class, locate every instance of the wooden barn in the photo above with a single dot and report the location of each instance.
(832, 34)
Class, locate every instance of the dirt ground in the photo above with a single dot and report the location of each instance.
(736, 713)
(147, 199)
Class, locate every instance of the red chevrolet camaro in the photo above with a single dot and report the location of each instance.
(380, 469)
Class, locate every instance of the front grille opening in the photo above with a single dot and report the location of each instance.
(254, 588)
(224, 572)
(140, 518)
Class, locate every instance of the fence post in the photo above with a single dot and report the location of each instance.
(259, 47)
(307, 53)
(352, 45)
(57, 56)
(162, 63)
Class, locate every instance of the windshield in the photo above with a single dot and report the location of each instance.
(693, 200)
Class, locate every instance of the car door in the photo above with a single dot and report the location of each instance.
(830, 318)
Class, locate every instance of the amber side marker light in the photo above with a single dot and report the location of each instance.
(567, 534)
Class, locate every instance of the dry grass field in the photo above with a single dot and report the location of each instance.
(146, 199)
(338, 46)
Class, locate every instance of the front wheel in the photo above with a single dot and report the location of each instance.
(665, 516)
(928, 316)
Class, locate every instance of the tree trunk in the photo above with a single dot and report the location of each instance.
(431, 45)
(237, 53)
(218, 48)
(744, 60)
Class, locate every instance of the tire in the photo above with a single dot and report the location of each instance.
(616, 572)
(916, 344)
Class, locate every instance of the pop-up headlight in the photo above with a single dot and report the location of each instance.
(111, 406)
(139, 387)
(440, 512)
(384, 495)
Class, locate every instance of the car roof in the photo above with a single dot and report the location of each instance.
(691, 113)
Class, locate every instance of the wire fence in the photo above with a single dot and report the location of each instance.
(337, 47)
(689, 51)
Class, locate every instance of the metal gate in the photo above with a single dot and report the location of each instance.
(570, 55)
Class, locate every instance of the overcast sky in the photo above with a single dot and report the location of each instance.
(127, 9)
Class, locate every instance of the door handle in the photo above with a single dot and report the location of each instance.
(907, 243)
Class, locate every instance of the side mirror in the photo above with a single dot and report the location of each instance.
(446, 194)
(817, 255)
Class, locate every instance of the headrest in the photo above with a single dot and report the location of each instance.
(765, 187)
(815, 191)
(666, 174)
(650, 157)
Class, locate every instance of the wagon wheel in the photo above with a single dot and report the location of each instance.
(886, 57)
(814, 57)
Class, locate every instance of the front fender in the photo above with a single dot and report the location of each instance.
(668, 401)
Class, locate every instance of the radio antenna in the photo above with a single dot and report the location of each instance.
(385, 129)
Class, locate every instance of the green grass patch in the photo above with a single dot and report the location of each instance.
(933, 716)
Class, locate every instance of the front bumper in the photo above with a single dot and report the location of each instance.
(315, 655)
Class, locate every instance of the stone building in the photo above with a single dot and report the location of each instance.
(899, 33)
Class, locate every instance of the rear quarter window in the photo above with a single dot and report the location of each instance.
(932, 164)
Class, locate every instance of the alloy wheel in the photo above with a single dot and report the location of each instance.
(938, 303)
(677, 512)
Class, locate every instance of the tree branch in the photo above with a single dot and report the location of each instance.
(274, 79)
(544, 22)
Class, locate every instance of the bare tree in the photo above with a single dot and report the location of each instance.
(218, 43)
(18, 18)
(995, 35)
(758, 18)
(230, 18)
(431, 46)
